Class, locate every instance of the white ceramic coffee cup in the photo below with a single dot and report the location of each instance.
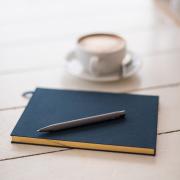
(100, 63)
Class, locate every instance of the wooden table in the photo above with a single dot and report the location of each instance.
(34, 38)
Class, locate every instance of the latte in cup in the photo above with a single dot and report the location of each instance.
(101, 43)
(100, 54)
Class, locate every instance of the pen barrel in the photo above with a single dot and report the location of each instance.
(85, 121)
(94, 119)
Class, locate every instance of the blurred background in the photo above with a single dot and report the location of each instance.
(37, 34)
(35, 37)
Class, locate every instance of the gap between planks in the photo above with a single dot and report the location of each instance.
(37, 154)
(67, 149)
(54, 66)
(132, 90)
(148, 88)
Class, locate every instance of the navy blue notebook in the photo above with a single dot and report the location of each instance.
(135, 133)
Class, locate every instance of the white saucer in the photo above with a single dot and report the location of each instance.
(131, 64)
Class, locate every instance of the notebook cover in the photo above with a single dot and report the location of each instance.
(135, 133)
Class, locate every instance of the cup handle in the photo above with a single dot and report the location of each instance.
(94, 60)
(128, 66)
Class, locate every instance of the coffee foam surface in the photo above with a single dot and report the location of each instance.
(101, 43)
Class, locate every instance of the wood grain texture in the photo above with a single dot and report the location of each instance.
(169, 106)
(8, 120)
(157, 70)
(49, 50)
(168, 120)
(40, 35)
(34, 38)
(79, 164)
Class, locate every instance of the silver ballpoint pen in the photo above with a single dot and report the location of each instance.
(82, 121)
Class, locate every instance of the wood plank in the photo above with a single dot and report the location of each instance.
(33, 37)
(168, 120)
(169, 106)
(161, 40)
(8, 120)
(50, 49)
(81, 164)
(37, 11)
(156, 71)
